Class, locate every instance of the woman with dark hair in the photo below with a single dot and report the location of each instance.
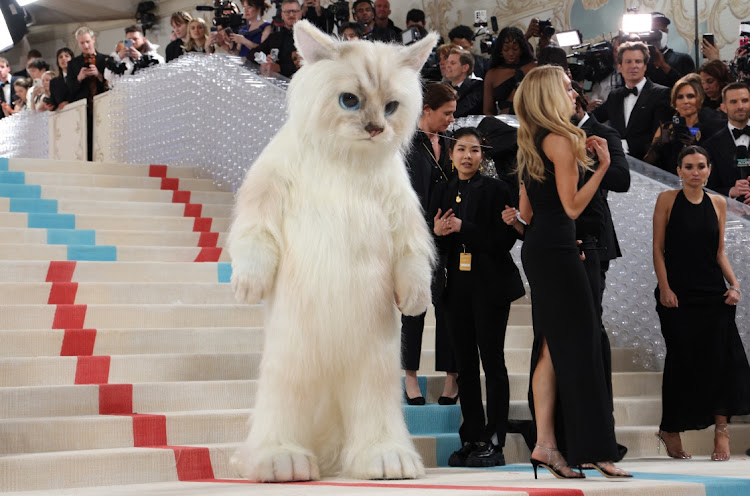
(714, 76)
(481, 282)
(350, 31)
(428, 165)
(58, 89)
(512, 57)
(256, 31)
(706, 373)
(691, 124)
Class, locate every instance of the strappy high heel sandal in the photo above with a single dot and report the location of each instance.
(555, 468)
(720, 456)
(615, 473)
(680, 455)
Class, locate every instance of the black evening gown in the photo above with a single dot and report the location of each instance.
(563, 313)
(706, 371)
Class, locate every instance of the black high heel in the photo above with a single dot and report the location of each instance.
(418, 400)
(447, 400)
(555, 469)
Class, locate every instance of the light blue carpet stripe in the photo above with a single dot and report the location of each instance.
(71, 237)
(445, 445)
(52, 221)
(33, 205)
(432, 418)
(20, 191)
(92, 253)
(3, 163)
(12, 177)
(225, 271)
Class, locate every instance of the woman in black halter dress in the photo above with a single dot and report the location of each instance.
(706, 373)
(568, 393)
(512, 58)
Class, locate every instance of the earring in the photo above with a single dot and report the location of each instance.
(680, 182)
(453, 166)
(705, 183)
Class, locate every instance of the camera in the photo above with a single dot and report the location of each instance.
(226, 14)
(339, 11)
(546, 28)
(740, 66)
(593, 62)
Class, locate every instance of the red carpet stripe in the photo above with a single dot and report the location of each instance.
(60, 271)
(532, 491)
(78, 342)
(149, 431)
(208, 239)
(62, 293)
(193, 463)
(115, 399)
(92, 370)
(69, 317)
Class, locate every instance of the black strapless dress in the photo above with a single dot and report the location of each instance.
(504, 90)
(706, 371)
(564, 315)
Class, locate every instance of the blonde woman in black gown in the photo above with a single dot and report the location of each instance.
(706, 374)
(568, 393)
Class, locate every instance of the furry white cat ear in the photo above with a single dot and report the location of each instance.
(415, 55)
(312, 43)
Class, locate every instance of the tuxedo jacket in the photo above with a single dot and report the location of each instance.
(78, 90)
(12, 79)
(596, 219)
(724, 170)
(470, 97)
(651, 109)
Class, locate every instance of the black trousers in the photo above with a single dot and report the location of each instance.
(477, 328)
(413, 327)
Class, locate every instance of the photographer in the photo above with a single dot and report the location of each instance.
(543, 30)
(256, 30)
(283, 41)
(131, 55)
(666, 65)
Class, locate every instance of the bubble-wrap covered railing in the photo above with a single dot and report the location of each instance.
(204, 111)
(25, 134)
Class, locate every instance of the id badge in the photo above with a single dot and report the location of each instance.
(743, 162)
(464, 262)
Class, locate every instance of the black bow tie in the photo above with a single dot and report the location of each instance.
(631, 91)
(739, 132)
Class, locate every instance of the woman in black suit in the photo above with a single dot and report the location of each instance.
(57, 86)
(482, 281)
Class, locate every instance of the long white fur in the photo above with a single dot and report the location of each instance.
(328, 232)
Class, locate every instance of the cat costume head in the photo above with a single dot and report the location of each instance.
(356, 97)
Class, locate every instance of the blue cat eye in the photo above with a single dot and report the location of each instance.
(390, 107)
(349, 101)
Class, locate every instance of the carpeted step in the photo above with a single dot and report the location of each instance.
(520, 314)
(118, 194)
(90, 271)
(128, 369)
(49, 342)
(91, 293)
(129, 316)
(107, 253)
(85, 221)
(113, 208)
(105, 168)
(66, 401)
(516, 336)
(103, 181)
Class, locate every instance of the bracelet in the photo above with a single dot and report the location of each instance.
(736, 289)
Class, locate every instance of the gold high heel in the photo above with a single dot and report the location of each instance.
(680, 455)
(720, 456)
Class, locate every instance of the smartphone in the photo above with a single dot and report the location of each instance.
(127, 43)
(709, 37)
(480, 18)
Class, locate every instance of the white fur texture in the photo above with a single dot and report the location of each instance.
(328, 232)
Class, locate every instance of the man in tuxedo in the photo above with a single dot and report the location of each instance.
(728, 148)
(594, 227)
(458, 67)
(637, 109)
(8, 94)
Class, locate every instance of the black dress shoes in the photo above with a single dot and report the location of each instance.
(418, 400)
(486, 455)
(458, 458)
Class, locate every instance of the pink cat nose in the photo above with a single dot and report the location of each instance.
(373, 129)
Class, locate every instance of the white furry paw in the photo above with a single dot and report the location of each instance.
(386, 461)
(413, 300)
(247, 289)
(277, 465)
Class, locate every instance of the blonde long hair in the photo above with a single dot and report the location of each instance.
(190, 44)
(541, 102)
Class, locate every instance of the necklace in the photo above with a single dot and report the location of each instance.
(435, 160)
(458, 194)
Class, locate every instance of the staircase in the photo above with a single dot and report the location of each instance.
(126, 360)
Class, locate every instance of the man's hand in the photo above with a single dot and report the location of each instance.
(533, 29)
(740, 188)
(658, 60)
(710, 52)
(270, 68)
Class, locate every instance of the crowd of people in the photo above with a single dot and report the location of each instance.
(652, 105)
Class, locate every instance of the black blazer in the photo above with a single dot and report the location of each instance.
(596, 219)
(651, 109)
(58, 90)
(12, 79)
(77, 90)
(724, 170)
(470, 97)
(423, 171)
(174, 49)
(483, 233)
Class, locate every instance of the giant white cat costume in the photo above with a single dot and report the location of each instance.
(329, 234)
